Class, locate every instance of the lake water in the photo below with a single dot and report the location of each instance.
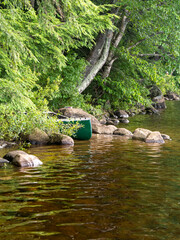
(108, 188)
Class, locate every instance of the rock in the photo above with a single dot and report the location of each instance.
(154, 137)
(157, 97)
(57, 138)
(102, 129)
(103, 121)
(4, 144)
(66, 140)
(112, 122)
(141, 134)
(37, 137)
(79, 113)
(124, 120)
(172, 96)
(151, 110)
(123, 132)
(121, 114)
(3, 162)
(22, 159)
(159, 102)
(165, 136)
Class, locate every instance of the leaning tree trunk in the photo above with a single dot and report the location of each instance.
(101, 55)
(97, 59)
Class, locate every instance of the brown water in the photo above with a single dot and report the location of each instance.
(105, 188)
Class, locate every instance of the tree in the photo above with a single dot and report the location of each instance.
(153, 24)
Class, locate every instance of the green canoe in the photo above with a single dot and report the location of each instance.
(84, 132)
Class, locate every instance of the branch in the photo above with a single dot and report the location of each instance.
(144, 39)
(59, 10)
(151, 55)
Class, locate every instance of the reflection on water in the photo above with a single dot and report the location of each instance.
(105, 188)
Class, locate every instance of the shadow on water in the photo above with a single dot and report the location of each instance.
(105, 188)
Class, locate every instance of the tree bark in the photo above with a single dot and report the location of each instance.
(97, 59)
(111, 58)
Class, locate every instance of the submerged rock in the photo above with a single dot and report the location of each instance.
(3, 162)
(165, 136)
(22, 159)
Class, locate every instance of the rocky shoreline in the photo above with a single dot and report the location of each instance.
(106, 125)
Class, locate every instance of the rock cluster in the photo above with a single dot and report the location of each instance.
(99, 128)
(39, 137)
(172, 96)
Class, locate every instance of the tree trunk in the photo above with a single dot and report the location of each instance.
(111, 58)
(97, 59)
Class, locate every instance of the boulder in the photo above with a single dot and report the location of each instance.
(141, 134)
(37, 137)
(22, 159)
(66, 140)
(123, 132)
(121, 114)
(102, 129)
(57, 138)
(154, 137)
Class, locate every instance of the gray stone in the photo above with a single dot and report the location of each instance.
(66, 140)
(37, 137)
(154, 137)
(121, 114)
(124, 120)
(102, 129)
(141, 134)
(123, 132)
(22, 159)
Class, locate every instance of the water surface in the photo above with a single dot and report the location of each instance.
(105, 188)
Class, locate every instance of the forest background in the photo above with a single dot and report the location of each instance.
(97, 55)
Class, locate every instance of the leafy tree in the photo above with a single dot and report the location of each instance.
(146, 39)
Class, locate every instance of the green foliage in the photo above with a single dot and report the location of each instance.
(37, 70)
(13, 125)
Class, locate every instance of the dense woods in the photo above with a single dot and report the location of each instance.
(89, 54)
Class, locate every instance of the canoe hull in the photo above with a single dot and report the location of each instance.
(84, 132)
